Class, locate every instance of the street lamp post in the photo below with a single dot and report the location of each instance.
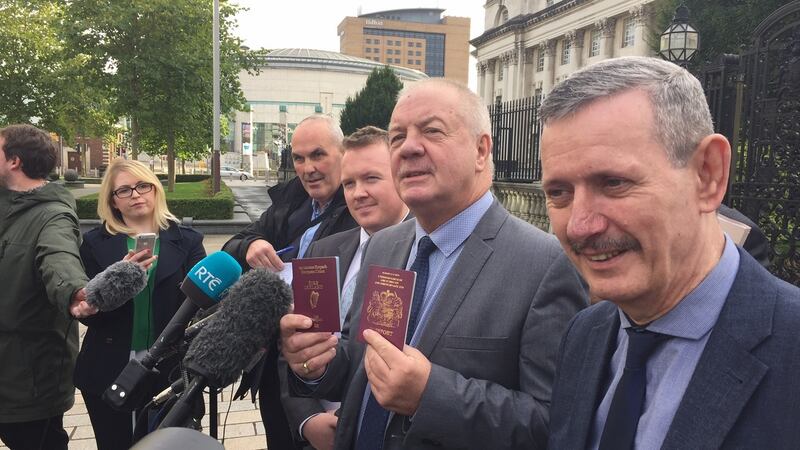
(680, 41)
(216, 111)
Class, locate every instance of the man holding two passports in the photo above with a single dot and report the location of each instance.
(374, 203)
(304, 209)
(492, 297)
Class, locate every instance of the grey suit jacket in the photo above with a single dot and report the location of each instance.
(491, 338)
(343, 245)
(745, 391)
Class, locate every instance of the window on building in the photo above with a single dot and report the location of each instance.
(369, 41)
(595, 48)
(628, 32)
(369, 50)
(389, 42)
(410, 44)
(419, 53)
(419, 44)
(418, 62)
(397, 60)
(389, 51)
(566, 46)
(540, 60)
(376, 41)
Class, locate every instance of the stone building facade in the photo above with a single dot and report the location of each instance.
(530, 45)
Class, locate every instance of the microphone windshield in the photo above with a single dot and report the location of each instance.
(207, 282)
(111, 288)
(247, 320)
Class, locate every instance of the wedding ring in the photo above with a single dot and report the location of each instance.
(305, 368)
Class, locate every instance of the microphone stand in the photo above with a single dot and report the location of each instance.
(213, 416)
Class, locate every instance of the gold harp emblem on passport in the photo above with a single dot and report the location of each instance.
(385, 309)
(313, 299)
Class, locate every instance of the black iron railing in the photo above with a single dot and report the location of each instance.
(515, 132)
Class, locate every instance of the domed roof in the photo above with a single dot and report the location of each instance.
(305, 58)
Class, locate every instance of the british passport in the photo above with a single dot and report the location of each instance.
(387, 303)
(315, 287)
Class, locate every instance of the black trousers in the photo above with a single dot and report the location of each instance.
(45, 434)
(113, 430)
(276, 425)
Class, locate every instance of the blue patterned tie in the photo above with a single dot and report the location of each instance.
(373, 424)
(619, 432)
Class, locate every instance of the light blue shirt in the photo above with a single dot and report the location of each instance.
(308, 236)
(449, 239)
(671, 367)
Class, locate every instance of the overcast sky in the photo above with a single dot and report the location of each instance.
(312, 23)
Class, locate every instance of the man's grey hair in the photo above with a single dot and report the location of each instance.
(333, 126)
(474, 111)
(680, 112)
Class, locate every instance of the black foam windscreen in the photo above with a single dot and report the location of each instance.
(247, 320)
(111, 288)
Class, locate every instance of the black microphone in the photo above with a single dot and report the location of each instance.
(246, 322)
(205, 284)
(113, 287)
(202, 319)
(169, 393)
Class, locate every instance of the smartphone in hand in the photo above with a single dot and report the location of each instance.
(145, 241)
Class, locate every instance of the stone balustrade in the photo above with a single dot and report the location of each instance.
(525, 201)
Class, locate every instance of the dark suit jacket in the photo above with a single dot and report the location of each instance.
(343, 245)
(744, 392)
(107, 344)
(491, 338)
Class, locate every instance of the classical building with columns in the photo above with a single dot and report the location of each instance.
(529, 45)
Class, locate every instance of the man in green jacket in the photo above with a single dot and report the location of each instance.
(42, 287)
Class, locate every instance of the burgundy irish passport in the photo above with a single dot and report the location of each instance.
(387, 303)
(315, 286)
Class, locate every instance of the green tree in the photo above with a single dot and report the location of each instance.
(155, 56)
(373, 104)
(724, 25)
(41, 80)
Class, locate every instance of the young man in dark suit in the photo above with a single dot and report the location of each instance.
(696, 346)
(309, 207)
(375, 204)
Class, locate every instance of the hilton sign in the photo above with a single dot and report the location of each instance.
(375, 22)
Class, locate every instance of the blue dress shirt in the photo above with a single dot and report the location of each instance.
(670, 368)
(449, 239)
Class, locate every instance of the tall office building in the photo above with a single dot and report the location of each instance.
(418, 38)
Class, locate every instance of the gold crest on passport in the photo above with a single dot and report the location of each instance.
(387, 303)
(315, 288)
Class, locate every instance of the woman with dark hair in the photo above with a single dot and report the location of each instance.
(131, 202)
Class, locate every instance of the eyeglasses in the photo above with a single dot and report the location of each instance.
(127, 191)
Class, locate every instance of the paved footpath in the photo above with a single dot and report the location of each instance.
(239, 421)
(251, 195)
(240, 426)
